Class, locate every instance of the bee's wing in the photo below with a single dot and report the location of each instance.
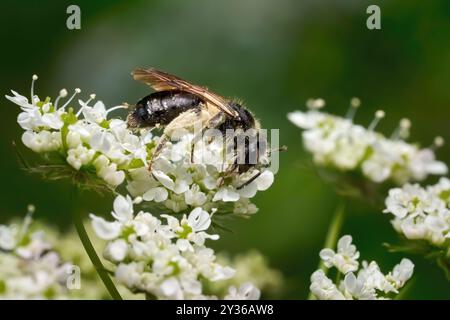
(160, 81)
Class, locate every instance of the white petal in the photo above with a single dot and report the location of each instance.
(265, 180)
(350, 282)
(326, 254)
(199, 220)
(436, 224)
(171, 288)
(158, 194)
(123, 208)
(104, 229)
(249, 191)
(226, 194)
(165, 180)
(116, 250)
(7, 238)
(344, 242)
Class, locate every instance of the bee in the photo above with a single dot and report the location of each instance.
(179, 104)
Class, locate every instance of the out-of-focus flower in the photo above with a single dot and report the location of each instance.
(246, 291)
(251, 267)
(337, 142)
(366, 283)
(29, 267)
(166, 259)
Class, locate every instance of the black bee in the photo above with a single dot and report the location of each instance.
(179, 104)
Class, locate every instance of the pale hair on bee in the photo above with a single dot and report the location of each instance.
(178, 104)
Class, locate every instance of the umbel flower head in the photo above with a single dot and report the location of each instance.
(422, 216)
(29, 267)
(164, 258)
(365, 282)
(339, 143)
(100, 152)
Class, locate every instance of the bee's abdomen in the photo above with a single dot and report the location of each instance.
(163, 106)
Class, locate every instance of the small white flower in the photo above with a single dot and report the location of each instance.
(52, 120)
(191, 228)
(80, 156)
(323, 288)
(413, 229)
(111, 175)
(116, 250)
(366, 283)
(95, 114)
(374, 278)
(73, 139)
(129, 274)
(401, 273)
(346, 257)
(421, 213)
(194, 197)
(356, 287)
(43, 141)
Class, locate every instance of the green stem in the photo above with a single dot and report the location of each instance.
(332, 235)
(89, 248)
(444, 264)
(405, 290)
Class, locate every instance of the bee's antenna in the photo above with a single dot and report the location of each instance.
(280, 149)
(126, 105)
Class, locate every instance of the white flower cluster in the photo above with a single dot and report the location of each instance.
(365, 283)
(339, 143)
(90, 142)
(29, 268)
(94, 143)
(164, 259)
(182, 185)
(422, 213)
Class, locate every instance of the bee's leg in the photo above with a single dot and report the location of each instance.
(231, 171)
(159, 147)
(213, 122)
(246, 183)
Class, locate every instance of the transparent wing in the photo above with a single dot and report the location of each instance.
(160, 81)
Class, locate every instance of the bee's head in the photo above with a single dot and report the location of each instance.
(137, 117)
(245, 118)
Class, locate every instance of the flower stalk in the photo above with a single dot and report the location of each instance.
(89, 248)
(332, 235)
(334, 230)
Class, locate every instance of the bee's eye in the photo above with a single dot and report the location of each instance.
(141, 113)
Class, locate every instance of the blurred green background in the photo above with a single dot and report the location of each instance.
(272, 54)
